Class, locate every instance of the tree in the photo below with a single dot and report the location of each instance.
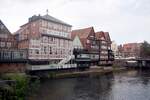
(145, 50)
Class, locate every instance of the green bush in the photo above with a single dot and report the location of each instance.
(24, 85)
(21, 85)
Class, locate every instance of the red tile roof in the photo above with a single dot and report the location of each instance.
(81, 33)
(107, 36)
(3, 29)
(101, 34)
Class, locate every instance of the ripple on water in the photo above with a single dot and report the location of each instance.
(130, 85)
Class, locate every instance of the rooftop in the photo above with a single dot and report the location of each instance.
(103, 34)
(82, 33)
(48, 18)
(3, 28)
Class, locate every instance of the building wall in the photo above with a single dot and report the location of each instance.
(91, 42)
(45, 40)
(23, 44)
(105, 48)
(131, 50)
(50, 48)
(114, 48)
(52, 28)
(7, 41)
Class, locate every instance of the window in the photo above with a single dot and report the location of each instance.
(21, 54)
(45, 39)
(103, 47)
(37, 51)
(8, 44)
(7, 55)
(52, 38)
(30, 51)
(50, 50)
(103, 42)
(45, 50)
(56, 52)
(33, 24)
(92, 36)
(2, 44)
(88, 41)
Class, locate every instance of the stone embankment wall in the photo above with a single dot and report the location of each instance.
(12, 67)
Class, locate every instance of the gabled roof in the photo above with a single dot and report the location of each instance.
(3, 29)
(99, 35)
(107, 36)
(81, 33)
(103, 34)
(77, 42)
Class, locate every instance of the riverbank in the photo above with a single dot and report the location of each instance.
(16, 86)
(88, 72)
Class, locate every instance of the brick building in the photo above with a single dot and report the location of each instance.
(86, 46)
(7, 40)
(131, 50)
(97, 45)
(46, 39)
(8, 46)
(87, 38)
(106, 55)
(120, 51)
(11, 59)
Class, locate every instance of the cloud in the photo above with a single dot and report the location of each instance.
(126, 20)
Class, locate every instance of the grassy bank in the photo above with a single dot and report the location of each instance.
(21, 87)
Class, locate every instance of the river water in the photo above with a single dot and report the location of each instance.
(128, 85)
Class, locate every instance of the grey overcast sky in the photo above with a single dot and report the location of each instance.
(125, 20)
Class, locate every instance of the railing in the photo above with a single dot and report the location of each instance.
(13, 55)
(66, 60)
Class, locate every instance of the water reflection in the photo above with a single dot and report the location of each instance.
(130, 85)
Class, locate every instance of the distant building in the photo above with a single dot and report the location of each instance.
(46, 39)
(120, 51)
(114, 48)
(106, 54)
(131, 50)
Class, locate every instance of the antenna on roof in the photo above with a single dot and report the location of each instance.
(47, 11)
